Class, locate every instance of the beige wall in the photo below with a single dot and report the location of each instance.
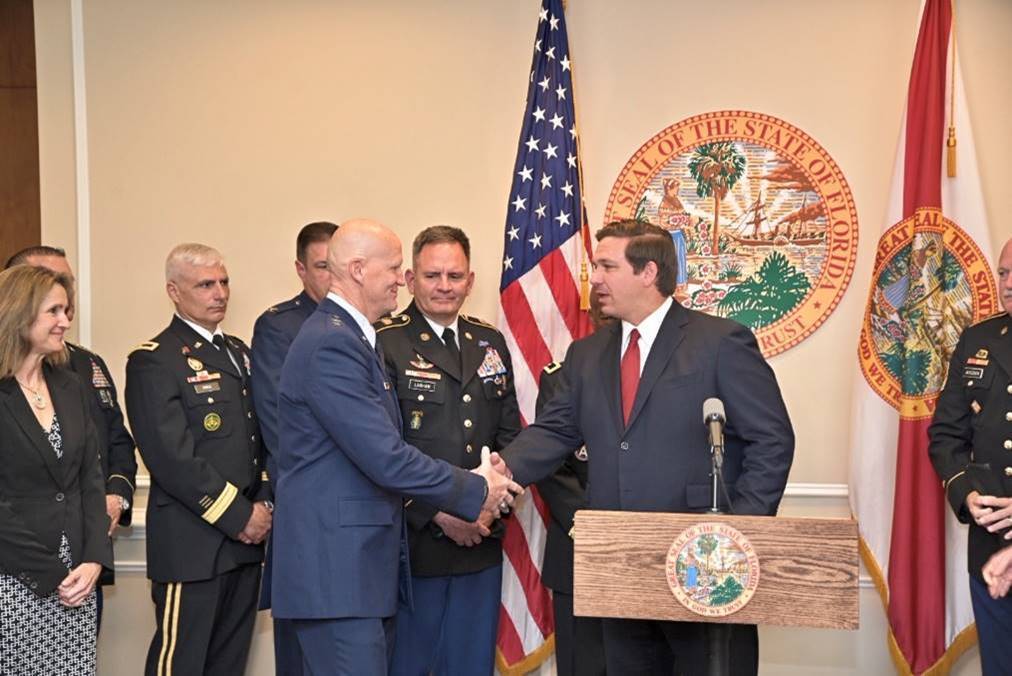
(233, 123)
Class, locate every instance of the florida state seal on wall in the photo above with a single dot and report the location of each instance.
(762, 219)
(712, 569)
(931, 279)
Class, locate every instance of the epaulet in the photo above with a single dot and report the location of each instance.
(149, 346)
(392, 322)
(475, 320)
(553, 367)
(991, 318)
(284, 306)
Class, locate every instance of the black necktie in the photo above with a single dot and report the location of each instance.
(219, 342)
(449, 339)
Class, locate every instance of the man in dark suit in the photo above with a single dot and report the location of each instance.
(116, 446)
(971, 450)
(633, 394)
(273, 333)
(191, 410)
(454, 382)
(340, 558)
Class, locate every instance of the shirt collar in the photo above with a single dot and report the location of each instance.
(648, 328)
(367, 330)
(201, 331)
(438, 328)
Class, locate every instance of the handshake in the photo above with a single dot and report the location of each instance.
(502, 491)
(501, 487)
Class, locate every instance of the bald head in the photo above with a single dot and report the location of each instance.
(1005, 276)
(365, 264)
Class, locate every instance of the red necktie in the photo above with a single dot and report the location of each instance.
(630, 374)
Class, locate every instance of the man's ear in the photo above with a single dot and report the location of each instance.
(172, 290)
(649, 274)
(356, 269)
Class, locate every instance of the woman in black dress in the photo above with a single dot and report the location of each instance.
(53, 527)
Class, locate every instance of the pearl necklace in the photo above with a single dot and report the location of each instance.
(38, 401)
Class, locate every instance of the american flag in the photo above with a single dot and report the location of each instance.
(545, 253)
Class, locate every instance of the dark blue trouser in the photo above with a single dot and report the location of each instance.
(351, 646)
(452, 627)
(994, 629)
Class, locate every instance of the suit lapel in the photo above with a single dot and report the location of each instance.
(69, 415)
(471, 356)
(1002, 346)
(610, 374)
(432, 347)
(348, 323)
(202, 350)
(29, 424)
(667, 341)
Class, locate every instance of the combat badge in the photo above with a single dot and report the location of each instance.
(419, 362)
(195, 363)
(212, 422)
(416, 420)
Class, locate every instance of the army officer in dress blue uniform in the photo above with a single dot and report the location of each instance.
(209, 511)
(273, 333)
(116, 446)
(454, 383)
(971, 449)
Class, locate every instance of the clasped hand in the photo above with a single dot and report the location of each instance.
(78, 584)
(258, 526)
(990, 512)
(501, 487)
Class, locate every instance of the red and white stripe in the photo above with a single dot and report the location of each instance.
(539, 316)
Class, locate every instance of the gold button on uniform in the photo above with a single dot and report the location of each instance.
(468, 424)
(969, 383)
(1008, 444)
(1008, 415)
(1009, 389)
(469, 448)
(210, 400)
(466, 398)
(421, 397)
(1008, 471)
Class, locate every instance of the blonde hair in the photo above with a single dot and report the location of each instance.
(191, 254)
(23, 288)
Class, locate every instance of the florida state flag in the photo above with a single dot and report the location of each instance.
(932, 277)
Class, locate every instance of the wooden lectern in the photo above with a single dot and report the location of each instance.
(808, 568)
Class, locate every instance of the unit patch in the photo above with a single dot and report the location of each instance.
(212, 422)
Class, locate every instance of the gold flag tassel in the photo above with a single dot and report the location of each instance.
(950, 143)
(584, 284)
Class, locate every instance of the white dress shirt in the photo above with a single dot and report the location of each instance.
(438, 328)
(360, 319)
(648, 328)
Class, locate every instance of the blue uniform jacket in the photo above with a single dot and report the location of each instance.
(273, 334)
(343, 469)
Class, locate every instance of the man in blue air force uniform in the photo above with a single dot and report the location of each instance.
(273, 333)
(340, 557)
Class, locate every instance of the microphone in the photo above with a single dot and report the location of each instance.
(713, 417)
